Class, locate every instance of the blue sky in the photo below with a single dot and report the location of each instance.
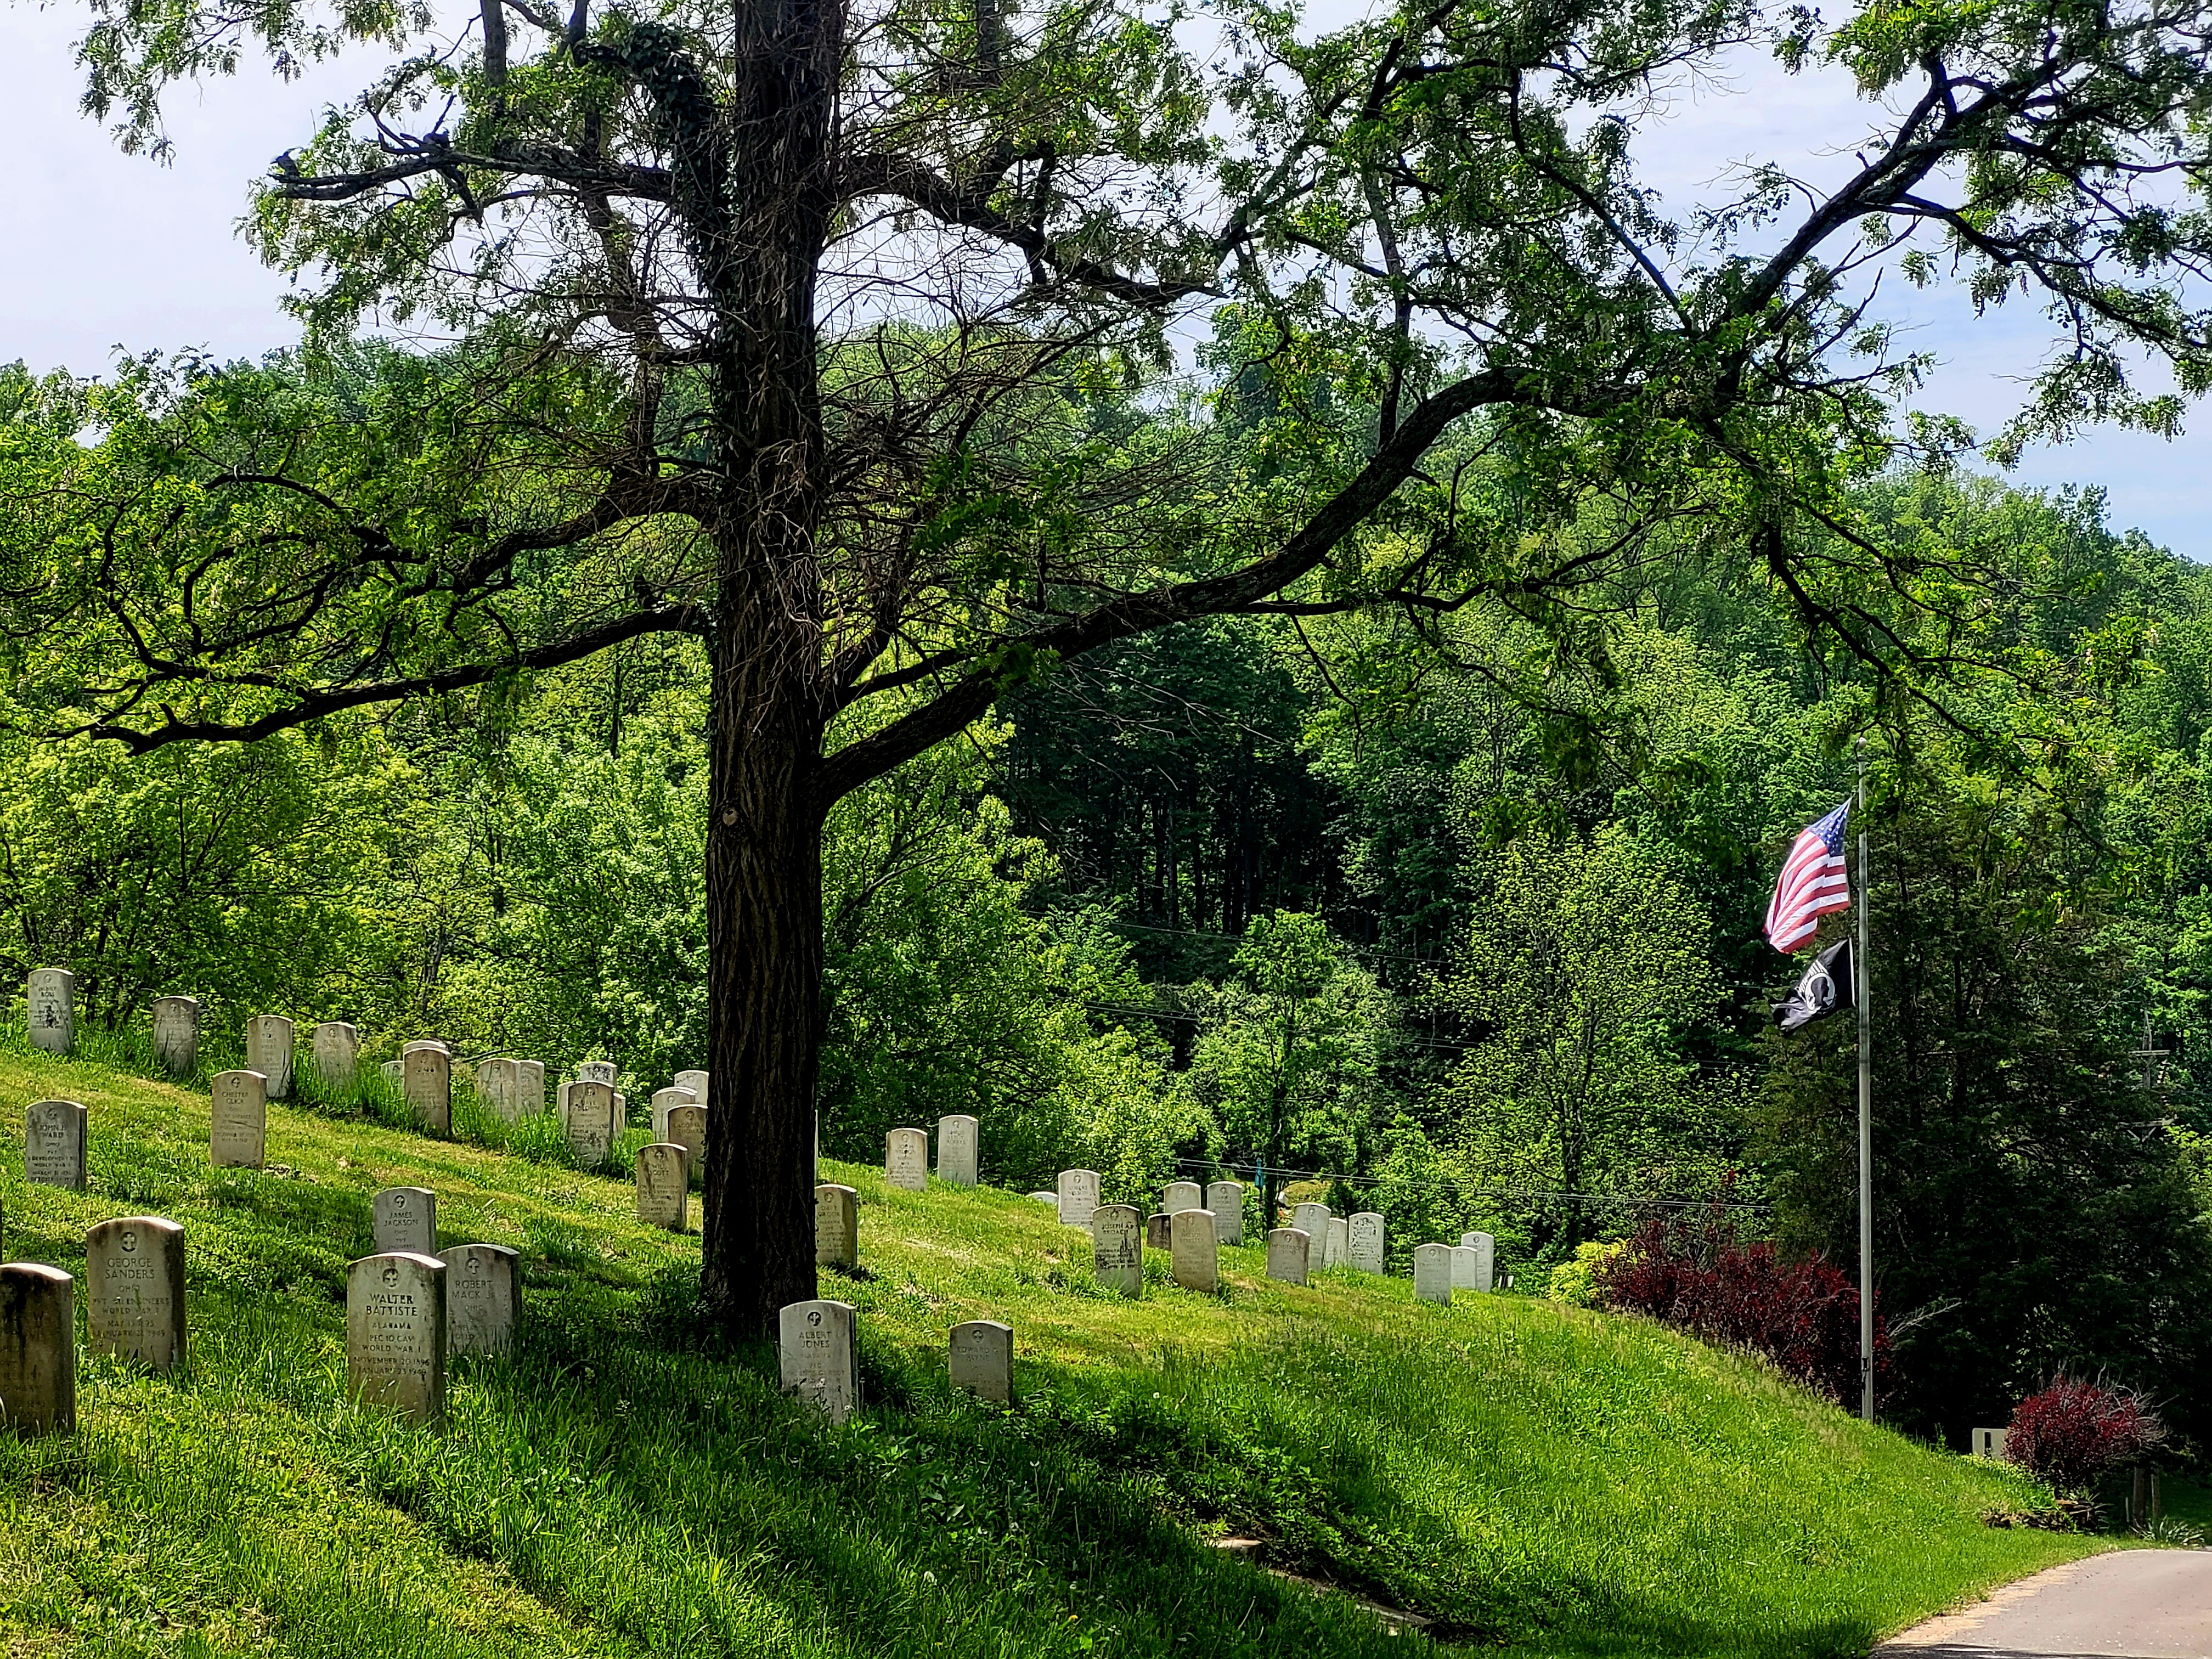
(107, 250)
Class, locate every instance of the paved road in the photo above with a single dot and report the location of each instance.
(2129, 1604)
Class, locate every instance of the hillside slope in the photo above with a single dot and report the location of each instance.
(1537, 1480)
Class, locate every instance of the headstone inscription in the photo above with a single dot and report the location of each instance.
(1340, 1242)
(1159, 1231)
(50, 1008)
(982, 1359)
(1486, 1255)
(1466, 1268)
(529, 1087)
(177, 1033)
(906, 1159)
(1433, 1273)
(1312, 1220)
(53, 1144)
(593, 1123)
(664, 1102)
(237, 1121)
(426, 1078)
(1077, 1191)
(1193, 1257)
(1117, 1256)
(1182, 1195)
(1287, 1250)
(37, 1349)
(1226, 1199)
(396, 1334)
(1990, 1442)
(337, 1047)
(499, 1087)
(597, 1071)
(696, 1082)
(134, 1291)
(269, 1051)
(663, 1186)
(1365, 1233)
(820, 1364)
(404, 1220)
(687, 1127)
(836, 1227)
(484, 1290)
(958, 1141)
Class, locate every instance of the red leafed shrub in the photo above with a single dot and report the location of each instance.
(1695, 1273)
(2073, 1431)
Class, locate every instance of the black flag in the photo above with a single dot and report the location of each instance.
(1824, 988)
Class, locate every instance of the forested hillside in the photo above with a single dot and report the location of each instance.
(1454, 907)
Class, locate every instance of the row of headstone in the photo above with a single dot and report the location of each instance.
(819, 1357)
(906, 1154)
(406, 1311)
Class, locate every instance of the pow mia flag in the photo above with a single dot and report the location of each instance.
(1824, 988)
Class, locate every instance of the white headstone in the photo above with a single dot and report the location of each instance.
(820, 1364)
(959, 1139)
(1363, 1233)
(663, 1186)
(1433, 1273)
(426, 1080)
(593, 1123)
(696, 1082)
(906, 1159)
(1466, 1268)
(836, 1227)
(50, 1007)
(396, 1334)
(1486, 1256)
(1288, 1251)
(1340, 1242)
(134, 1291)
(1079, 1196)
(269, 1051)
(1990, 1442)
(529, 1087)
(407, 1048)
(338, 1053)
(484, 1290)
(982, 1359)
(1226, 1199)
(1117, 1248)
(687, 1127)
(405, 1219)
(237, 1121)
(597, 1071)
(664, 1101)
(177, 1033)
(1052, 1198)
(1183, 1195)
(389, 1070)
(497, 1085)
(38, 1349)
(1193, 1256)
(54, 1143)
(1312, 1220)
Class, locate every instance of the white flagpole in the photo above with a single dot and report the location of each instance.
(1865, 969)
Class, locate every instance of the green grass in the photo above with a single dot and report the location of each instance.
(1539, 1481)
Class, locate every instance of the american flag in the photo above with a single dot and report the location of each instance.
(1812, 883)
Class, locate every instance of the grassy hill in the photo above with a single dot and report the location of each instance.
(1535, 1480)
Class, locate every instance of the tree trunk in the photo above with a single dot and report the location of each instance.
(758, 239)
(764, 1015)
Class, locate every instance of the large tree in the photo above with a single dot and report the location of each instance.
(845, 336)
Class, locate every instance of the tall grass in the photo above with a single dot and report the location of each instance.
(1535, 1480)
